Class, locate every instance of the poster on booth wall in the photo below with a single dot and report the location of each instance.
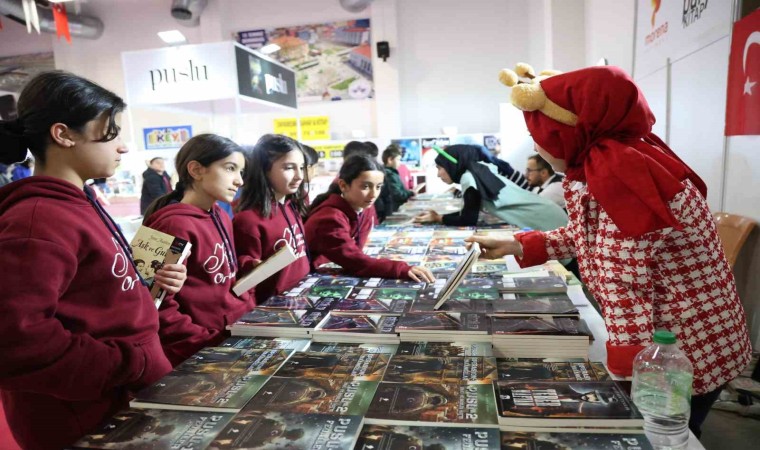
(428, 153)
(411, 151)
(161, 138)
(332, 61)
(743, 93)
(287, 126)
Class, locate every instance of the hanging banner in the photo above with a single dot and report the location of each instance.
(675, 28)
(316, 128)
(166, 137)
(286, 127)
(61, 22)
(743, 93)
(263, 79)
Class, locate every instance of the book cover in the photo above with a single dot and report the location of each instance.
(398, 437)
(151, 249)
(372, 306)
(215, 391)
(445, 348)
(452, 305)
(314, 395)
(553, 284)
(574, 441)
(461, 293)
(354, 366)
(536, 325)
(267, 317)
(261, 343)
(288, 302)
(383, 294)
(432, 369)
(340, 347)
(443, 322)
(268, 430)
(147, 429)
(275, 263)
(597, 400)
(329, 291)
(447, 246)
(448, 404)
(559, 305)
(464, 266)
(521, 370)
(376, 283)
(349, 323)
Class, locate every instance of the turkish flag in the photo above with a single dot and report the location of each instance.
(743, 96)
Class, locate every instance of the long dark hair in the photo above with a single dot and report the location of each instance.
(55, 97)
(204, 148)
(257, 193)
(349, 171)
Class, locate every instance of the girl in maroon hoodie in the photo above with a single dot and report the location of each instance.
(269, 214)
(78, 327)
(341, 219)
(210, 169)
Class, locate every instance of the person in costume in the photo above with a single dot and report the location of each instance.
(647, 245)
(484, 187)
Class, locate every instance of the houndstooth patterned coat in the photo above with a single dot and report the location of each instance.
(670, 279)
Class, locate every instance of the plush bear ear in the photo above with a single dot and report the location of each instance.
(528, 97)
(525, 70)
(508, 77)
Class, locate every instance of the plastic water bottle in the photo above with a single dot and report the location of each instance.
(661, 390)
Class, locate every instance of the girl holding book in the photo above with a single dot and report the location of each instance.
(210, 169)
(646, 243)
(484, 187)
(270, 210)
(78, 327)
(341, 219)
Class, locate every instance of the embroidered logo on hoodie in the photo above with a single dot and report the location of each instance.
(215, 262)
(293, 241)
(120, 268)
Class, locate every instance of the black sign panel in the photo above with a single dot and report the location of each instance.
(261, 79)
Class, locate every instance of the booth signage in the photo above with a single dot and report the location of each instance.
(263, 79)
(166, 137)
(287, 127)
(316, 128)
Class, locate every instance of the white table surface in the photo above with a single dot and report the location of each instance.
(598, 349)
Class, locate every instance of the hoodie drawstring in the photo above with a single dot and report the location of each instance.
(228, 248)
(292, 231)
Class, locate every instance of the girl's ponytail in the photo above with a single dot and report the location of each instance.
(13, 143)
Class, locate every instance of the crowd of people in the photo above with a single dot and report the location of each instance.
(80, 331)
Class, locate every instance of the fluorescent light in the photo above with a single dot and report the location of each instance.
(172, 36)
(60, 1)
(269, 48)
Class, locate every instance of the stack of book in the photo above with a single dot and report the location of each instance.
(369, 328)
(274, 322)
(444, 327)
(539, 336)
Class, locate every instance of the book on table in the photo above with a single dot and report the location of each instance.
(275, 263)
(539, 285)
(392, 437)
(576, 440)
(151, 249)
(464, 266)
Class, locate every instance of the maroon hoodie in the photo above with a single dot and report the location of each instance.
(196, 316)
(79, 329)
(258, 237)
(335, 232)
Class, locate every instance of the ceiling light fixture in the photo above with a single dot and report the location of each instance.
(172, 37)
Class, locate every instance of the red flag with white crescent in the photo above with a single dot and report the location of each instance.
(61, 21)
(743, 96)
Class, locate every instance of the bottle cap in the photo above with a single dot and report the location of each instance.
(664, 337)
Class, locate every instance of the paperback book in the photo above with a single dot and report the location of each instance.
(151, 249)
(438, 322)
(432, 369)
(522, 304)
(338, 347)
(395, 437)
(155, 429)
(277, 322)
(314, 395)
(275, 263)
(445, 348)
(225, 359)
(377, 283)
(517, 369)
(372, 306)
(262, 343)
(347, 366)
(543, 285)
(372, 328)
(575, 441)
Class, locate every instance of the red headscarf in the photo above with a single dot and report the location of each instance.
(629, 170)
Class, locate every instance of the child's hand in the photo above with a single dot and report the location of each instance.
(429, 217)
(494, 248)
(418, 273)
(171, 277)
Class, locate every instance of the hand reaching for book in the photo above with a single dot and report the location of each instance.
(171, 277)
(428, 217)
(494, 248)
(418, 273)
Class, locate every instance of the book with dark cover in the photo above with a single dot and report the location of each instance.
(382, 294)
(559, 305)
(339, 347)
(336, 291)
(151, 249)
(372, 306)
(552, 284)
(516, 369)
(261, 343)
(377, 283)
(314, 395)
(432, 369)
(268, 430)
(398, 437)
(452, 305)
(267, 317)
(447, 404)
(350, 323)
(200, 391)
(461, 293)
(462, 323)
(225, 359)
(555, 403)
(574, 440)
(536, 325)
(288, 302)
(354, 366)
(148, 429)
(445, 348)
(337, 280)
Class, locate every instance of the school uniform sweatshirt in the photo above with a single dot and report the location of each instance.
(79, 329)
(258, 238)
(197, 315)
(336, 232)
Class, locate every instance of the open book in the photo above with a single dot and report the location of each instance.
(151, 249)
(266, 269)
(464, 266)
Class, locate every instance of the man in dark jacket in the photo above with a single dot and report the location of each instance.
(391, 159)
(156, 182)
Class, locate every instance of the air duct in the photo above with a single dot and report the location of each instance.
(79, 26)
(188, 12)
(355, 6)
